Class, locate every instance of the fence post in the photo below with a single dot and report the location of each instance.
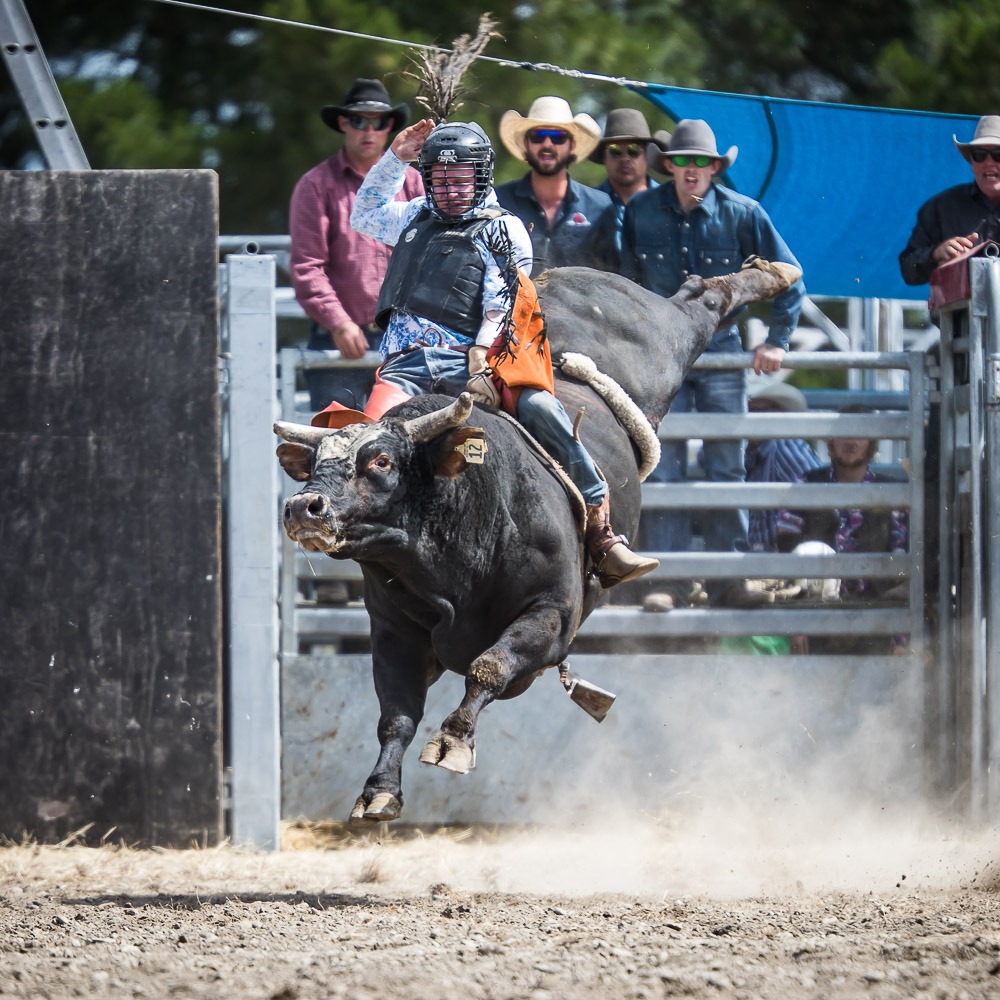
(252, 552)
(989, 270)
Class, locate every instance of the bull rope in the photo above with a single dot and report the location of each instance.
(638, 428)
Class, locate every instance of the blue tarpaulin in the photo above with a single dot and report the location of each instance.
(841, 183)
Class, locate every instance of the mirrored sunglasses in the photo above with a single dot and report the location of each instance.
(685, 161)
(979, 155)
(555, 135)
(616, 151)
(361, 123)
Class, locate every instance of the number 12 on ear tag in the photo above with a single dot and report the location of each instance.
(473, 450)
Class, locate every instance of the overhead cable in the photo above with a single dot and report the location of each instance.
(510, 63)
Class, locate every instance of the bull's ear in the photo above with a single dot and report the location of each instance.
(454, 452)
(296, 460)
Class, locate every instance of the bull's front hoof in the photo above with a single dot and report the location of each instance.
(450, 753)
(383, 807)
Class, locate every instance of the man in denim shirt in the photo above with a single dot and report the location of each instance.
(693, 226)
(570, 224)
(624, 152)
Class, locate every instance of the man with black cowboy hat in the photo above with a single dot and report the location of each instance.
(337, 272)
(962, 216)
(695, 227)
(570, 223)
(623, 152)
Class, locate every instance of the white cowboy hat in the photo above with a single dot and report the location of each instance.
(776, 391)
(551, 112)
(987, 134)
(694, 137)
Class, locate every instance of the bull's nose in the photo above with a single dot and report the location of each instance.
(304, 508)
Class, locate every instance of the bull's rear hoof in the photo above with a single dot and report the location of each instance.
(450, 753)
(383, 807)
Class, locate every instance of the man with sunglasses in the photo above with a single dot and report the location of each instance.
(623, 153)
(336, 272)
(696, 227)
(962, 216)
(570, 223)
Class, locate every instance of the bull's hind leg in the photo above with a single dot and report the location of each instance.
(534, 641)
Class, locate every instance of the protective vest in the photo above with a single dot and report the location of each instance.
(436, 271)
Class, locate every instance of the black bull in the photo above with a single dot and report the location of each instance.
(479, 568)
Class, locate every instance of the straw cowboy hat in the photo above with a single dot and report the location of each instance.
(655, 151)
(778, 392)
(551, 112)
(366, 97)
(625, 125)
(987, 134)
(694, 137)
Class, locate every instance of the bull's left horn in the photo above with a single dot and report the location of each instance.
(430, 425)
(301, 433)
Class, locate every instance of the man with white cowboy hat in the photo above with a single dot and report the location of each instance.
(623, 151)
(570, 224)
(960, 217)
(695, 227)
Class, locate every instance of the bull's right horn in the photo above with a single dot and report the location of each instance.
(430, 425)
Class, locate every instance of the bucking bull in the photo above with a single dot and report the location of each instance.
(479, 567)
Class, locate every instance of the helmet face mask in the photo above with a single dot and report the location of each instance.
(454, 192)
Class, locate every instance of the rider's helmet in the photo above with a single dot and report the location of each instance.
(455, 144)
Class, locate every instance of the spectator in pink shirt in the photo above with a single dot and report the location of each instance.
(337, 272)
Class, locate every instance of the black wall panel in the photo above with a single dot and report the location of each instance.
(110, 644)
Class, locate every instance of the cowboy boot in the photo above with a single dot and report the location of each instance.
(613, 560)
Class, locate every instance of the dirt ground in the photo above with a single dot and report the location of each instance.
(642, 911)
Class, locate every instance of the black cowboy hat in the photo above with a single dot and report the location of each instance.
(366, 97)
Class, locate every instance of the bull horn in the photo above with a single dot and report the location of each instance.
(301, 433)
(430, 425)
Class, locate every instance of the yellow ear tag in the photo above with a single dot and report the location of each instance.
(473, 450)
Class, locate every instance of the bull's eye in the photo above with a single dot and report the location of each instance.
(381, 463)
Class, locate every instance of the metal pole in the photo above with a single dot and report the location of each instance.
(36, 87)
(989, 270)
(252, 548)
(972, 602)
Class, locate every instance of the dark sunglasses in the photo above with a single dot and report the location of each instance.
(378, 124)
(979, 155)
(616, 151)
(684, 160)
(556, 136)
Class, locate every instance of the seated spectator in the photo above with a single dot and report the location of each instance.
(848, 530)
(781, 460)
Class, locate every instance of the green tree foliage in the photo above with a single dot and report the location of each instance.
(948, 69)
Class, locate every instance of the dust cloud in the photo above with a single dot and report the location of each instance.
(731, 782)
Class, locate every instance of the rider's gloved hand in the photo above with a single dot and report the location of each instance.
(480, 384)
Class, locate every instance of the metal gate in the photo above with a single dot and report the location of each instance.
(945, 683)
